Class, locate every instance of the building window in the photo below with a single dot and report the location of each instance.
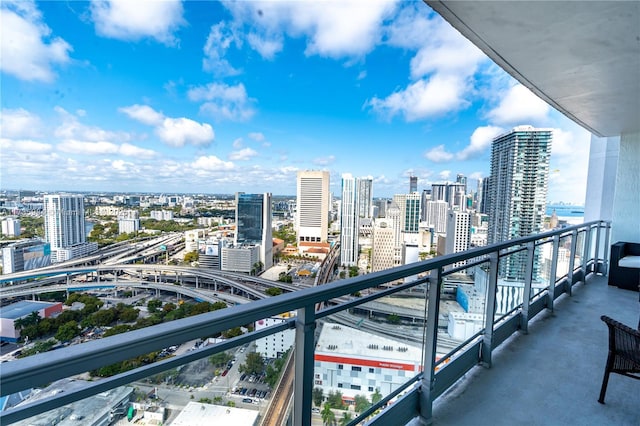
(339, 385)
(356, 387)
(371, 370)
(370, 388)
(318, 382)
(340, 366)
(356, 368)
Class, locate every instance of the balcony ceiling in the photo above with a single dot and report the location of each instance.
(582, 57)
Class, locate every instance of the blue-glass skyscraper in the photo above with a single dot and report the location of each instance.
(253, 224)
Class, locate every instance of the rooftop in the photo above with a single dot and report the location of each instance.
(23, 308)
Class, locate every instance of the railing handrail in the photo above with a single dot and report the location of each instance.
(44, 368)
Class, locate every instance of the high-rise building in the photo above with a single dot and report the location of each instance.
(518, 189)
(313, 198)
(64, 227)
(349, 220)
(458, 228)
(409, 205)
(413, 184)
(365, 197)
(253, 224)
(11, 227)
(382, 245)
(436, 215)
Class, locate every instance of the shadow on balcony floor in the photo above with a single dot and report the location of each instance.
(552, 376)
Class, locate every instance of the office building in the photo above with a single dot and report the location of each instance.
(64, 227)
(161, 214)
(240, 258)
(436, 216)
(382, 244)
(24, 256)
(313, 197)
(409, 205)
(349, 220)
(209, 253)
(458, 233)
(518, 189)
(277, 344)
(253, 224)
(11, 227)
(357, 362)
(128, 222)
(365, 197)
(413, 184)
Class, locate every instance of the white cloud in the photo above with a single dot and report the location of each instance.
(237, 143)
(25, 146)
(267, 48)
(144, 114)
(135, 151)
(223, 101)
(220, 38)
(423, 99)
(324, 161)
(444, 174)
(519, 106)
(19, 123)
(257, 136)
(172, 131)
(88, 148)
(29, 51)
(180, 131)
(135, 20)
(71, 128)
(242, 155)
(438, 154)
(332, 29)
(362, 75)
(212, 163)
(479, 142)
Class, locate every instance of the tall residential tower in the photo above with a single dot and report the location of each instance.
(517, 190)
(64, 227)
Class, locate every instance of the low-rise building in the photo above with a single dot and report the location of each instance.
(25, 255)
(11, 313)
(277, 344)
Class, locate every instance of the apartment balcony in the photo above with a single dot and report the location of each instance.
(543, 358)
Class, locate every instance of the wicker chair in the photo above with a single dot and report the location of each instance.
(624, 353)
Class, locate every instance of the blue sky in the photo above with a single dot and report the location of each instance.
(209, 97)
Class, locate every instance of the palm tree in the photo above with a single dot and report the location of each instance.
(376, 396)
(328, 417)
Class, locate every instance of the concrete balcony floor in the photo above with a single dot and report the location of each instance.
(552, 376)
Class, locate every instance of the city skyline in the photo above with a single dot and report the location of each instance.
(238, 97)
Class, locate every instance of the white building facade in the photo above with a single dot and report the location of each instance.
(312, 212)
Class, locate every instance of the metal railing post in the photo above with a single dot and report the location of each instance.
(596, 252)
(554, 273)
(606, 247)
(526, 293)
(490, 308)
(304, 365)
(572, 260)
(431, 338)
(586, 253)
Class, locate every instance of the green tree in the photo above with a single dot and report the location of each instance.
(67, 331)
(346, 418)
(153, 305)
(128, 314)
(361, 403)
(273, 291)
(393, 319)
(191, 256)
(353, 271)
(317, 396)
(254, 364)
(328, 416)
(220, 359)
(376, 396)
(103, 317)
(233, 332)
(334, 399)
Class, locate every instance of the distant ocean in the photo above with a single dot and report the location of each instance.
(563, 210)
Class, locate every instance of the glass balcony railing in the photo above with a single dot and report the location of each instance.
(379, 347)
